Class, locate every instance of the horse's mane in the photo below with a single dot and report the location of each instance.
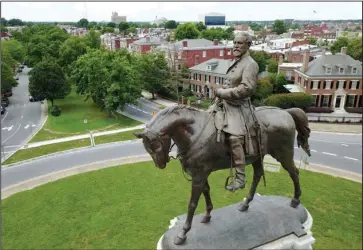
(171, 110)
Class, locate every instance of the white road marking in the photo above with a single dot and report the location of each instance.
(342, 142)
(27, 126)
(295, 147)
(345, 145)
(6, 113)
(312, 150)
(22, 117)
(33, 125)
(8, 128)
(11, 135)
(12, 146)
(354, 159)
(329, 154)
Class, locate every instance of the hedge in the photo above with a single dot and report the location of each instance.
(353, 110)
(292, 100)
(319, 110)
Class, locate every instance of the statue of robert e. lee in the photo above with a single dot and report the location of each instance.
(233, 102)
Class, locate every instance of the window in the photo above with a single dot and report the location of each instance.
(315, 99)
(209, 67)
(354, 70)
(327, 84)
(229, 52)
(328, 70)
(204, 53)
(221, 52)
(353, 84)
(350, 102)
(315, 84)
(179, 55)
(205, 78)
(179, 66)
(208, 78)
(341, 70)
(341, 84)
(325, 100)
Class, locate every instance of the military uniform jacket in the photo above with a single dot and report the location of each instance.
(239, 85)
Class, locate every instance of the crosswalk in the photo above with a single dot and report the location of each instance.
(24, 126)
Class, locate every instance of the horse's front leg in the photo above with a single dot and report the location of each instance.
(197, 189)
(208, 203)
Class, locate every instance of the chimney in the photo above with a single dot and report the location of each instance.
(305, 62)
(343, 50)
(185, 44)
(215, 42)
(148, 39)
(281, 59)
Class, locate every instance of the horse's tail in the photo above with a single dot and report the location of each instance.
(302, 127)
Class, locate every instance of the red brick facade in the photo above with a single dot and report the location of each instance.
(193, 57)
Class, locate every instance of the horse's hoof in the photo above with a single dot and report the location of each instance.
(243, 208)
(294, 203)
(206, 219)
(179, 241)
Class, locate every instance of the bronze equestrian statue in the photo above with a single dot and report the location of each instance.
(204, 145)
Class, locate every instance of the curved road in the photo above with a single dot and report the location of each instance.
(22, 117)
(338, 151)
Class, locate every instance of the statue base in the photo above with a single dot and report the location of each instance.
(269, 223)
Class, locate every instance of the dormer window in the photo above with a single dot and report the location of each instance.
(354, 70)
(328, 70)
(209, 67)
(341, 70)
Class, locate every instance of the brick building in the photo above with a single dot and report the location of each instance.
(146, 44)
(191, 52)
(207, 76)
(334, 80)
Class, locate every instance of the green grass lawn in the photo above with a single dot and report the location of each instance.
(131, 207)
(71, 122)
(29, 153)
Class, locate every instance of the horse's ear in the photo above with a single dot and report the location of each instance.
(139, 134)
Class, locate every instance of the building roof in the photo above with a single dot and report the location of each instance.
(216, 66)
(318, 66)
(293, 88)
(152, 40)
(195, 44)
(290, 65)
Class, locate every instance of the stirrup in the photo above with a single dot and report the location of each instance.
(232, 183)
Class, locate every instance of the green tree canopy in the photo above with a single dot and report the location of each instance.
(312, 40)
(261, 59)
(15, 22)
(111, 24)
(93, 39)
(200, 26)
(338, 44)
(355, 48)
(171, 24)
(279, 27)
(15, 48)
(186, 31)
(70, 50)
(273, 66)
(7, 77)
(123, 26)
(82, 23)
(47, 80)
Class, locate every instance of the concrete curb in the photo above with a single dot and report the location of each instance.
(35, 182)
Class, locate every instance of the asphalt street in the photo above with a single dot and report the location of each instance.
(22, 117)
(338, 151)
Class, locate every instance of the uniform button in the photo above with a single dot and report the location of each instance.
(232, 70)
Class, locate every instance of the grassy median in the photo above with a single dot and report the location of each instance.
(71, 122)
(25, 154)
(130, 207)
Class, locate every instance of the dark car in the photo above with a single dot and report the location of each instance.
(19, 70)
(35, 99)
(3, 110)
(5, 101)
(8, 93)
(16, 78)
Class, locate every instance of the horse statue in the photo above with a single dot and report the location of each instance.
(194, 133)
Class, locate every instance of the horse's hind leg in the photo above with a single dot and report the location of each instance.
(208, 203)
(257, 173)
(289, 166)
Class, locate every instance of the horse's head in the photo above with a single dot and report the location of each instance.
(157, 145)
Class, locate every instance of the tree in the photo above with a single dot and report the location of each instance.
(111, 24)
(15, 48)
(82, 23)
(8, 59)
(91, 25)
(15, 22)
(279, 27)
(186, 31)
(4, 22)
(93, 39)
(171, 24)
(261, 59)
(110, 78)
(200, 26)
(273, 66)
(312, 40)
(47, 80)
(7, 77)
(70, 50)
(107, 30)
(131, 30)
(338, 44)
(355, 48)
(277, 80)
(123, 26)
(358, 27)
(263, 90)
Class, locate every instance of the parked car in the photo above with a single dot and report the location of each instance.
(35, 99)
(3, 109)
(16, 78)
(21, 66)
(8, 93)
(19, 70)
(4, 101)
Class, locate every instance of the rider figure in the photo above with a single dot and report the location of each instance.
(234, 97)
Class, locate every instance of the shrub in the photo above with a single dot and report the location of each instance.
(293, 100)
(319, 110)
(354, 110)
(55, 110)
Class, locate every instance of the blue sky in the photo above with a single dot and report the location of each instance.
(180, 11)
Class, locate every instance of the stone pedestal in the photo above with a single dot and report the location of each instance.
(269, 223)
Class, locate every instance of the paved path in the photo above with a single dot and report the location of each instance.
(22, 119)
